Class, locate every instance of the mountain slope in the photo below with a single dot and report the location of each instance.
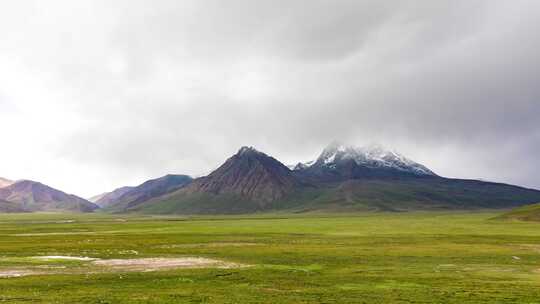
(525, 213)
(407, 194)
(248, 181)
(108, 198)
(4, 182)
(367, 194)
(148, 190)
(33, 196)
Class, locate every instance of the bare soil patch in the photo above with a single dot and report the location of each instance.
(153, 264)
(15, 273)
(210, 245)
(96, 265)
(62, 257)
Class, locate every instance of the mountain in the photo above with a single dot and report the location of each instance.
(339, 162)
(146, 191)
(376, 178)
(250, 174)
(5, 182)
(248, 181)
(28, 195)
(342, 178)
(525, 213)
(108, 198)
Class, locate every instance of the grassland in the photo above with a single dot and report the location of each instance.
(420, 257)
(525, 213)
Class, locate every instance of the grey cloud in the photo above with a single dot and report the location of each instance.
(174, 86)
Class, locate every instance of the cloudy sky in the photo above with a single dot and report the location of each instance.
(99, 94)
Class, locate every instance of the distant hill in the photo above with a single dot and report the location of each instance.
(108, 198)
(525, 213)
(4, 182)
(30, 196)
(343, 178)
(145, 192)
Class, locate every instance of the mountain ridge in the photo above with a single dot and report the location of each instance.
(341, 178)
(364, 179)
(148, 190)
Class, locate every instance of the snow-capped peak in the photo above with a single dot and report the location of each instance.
(330, 153)
(301, 166)
(372, 156)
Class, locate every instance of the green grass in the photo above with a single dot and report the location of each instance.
(526, 213)
(417, 257)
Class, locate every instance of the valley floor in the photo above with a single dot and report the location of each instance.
(422, 257)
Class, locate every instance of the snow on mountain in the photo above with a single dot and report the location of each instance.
(372, 156)
(301, 166)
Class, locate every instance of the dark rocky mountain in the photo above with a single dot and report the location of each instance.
(4, 182)
(28, 195)
(108, 198)
(149, 190)
(249, 174)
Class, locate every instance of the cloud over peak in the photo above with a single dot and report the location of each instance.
(118, 92)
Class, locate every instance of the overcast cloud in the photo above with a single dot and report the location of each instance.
(101, 94)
